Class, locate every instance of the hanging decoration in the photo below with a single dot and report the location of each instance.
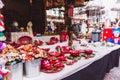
(3, 70)
(2, 27)
(70, 11)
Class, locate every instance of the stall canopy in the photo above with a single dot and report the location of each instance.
(59, 3)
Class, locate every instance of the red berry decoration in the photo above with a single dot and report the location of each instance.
(88, 51)
(75, 53)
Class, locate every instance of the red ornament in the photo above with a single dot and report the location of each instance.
(1, 23)
(58, 64)
(53, 61)
(75, 52)
(46, 49)
(66, 49)
(44, 62)
(88, 52)
(62, 58)
(53, 53)
(1, 16)
(48, 66)
(58, 47)
(38, 42)
(54, 40)
(35, 33)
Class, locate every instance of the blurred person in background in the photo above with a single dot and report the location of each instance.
(84, 28)
(29, 28)
(49, 27)
(15, 27)
(76, 29)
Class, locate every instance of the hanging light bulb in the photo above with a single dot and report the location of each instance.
(30, 1)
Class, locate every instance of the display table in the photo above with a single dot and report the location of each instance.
(86, 69)
(98, 69)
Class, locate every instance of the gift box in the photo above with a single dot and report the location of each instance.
(16, 72)
(32, 68)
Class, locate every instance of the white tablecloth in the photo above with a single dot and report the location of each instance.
(68, 70)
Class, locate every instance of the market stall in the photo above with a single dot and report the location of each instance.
(86, 68)
(57, 57)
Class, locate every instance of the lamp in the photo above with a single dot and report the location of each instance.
(30, 1)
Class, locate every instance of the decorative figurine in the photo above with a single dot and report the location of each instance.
(29, 28)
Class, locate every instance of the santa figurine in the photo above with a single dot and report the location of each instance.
(29, 28)
(116, 36)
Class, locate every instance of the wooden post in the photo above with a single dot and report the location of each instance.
(68, 23)
(39, 15)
